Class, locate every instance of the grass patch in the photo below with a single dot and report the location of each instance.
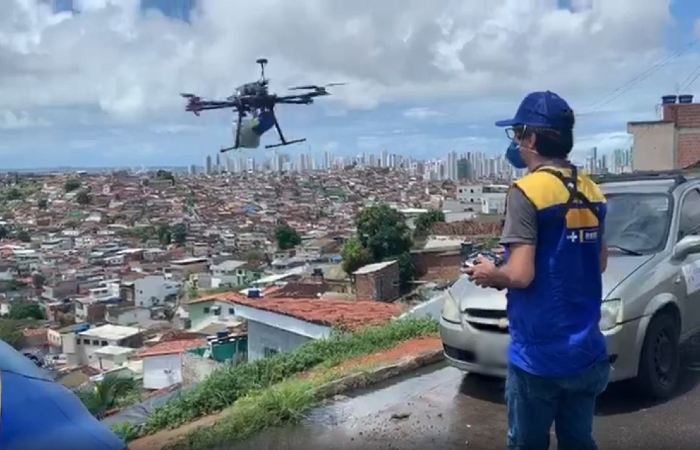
(225, 386)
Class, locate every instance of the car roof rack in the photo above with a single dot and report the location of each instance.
(674, 175)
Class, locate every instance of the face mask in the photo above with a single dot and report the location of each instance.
(514, 157)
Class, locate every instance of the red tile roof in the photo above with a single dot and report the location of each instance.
(342, 314)
(173, 347)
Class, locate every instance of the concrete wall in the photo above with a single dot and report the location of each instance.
(162, 371)
(196, 368)
(200, 312)
(153, 290)
(261, 336)
(136, 316)
(654, 146)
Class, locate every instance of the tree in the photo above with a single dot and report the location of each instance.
(14, 194)
(42, 203)
(407, 270)
(165, 175)
(38, 280)
(287, 237)
(106, 394)
(383, 231)
(355, 255)
(179, 233)
(424, 222)
(71, 185)
(83, 198)
(3, 232)
(27, 311)
(24, 236)
(164, 234)
(10, 333)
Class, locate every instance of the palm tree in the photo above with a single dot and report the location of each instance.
(106, 393)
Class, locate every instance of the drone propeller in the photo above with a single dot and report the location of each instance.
(187, 95)
(315, 87)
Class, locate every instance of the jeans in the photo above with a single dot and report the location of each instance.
(535, 402)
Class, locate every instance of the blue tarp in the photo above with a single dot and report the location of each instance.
(36, 413)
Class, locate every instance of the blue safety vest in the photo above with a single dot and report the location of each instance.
(554, 323)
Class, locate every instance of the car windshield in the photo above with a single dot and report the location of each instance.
(637, 222)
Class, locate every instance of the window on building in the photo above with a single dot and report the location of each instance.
(104, 343)
(206, 310)
(216, 310)
(269, 352)
(95, 342)
(231, 311)
(689, 222)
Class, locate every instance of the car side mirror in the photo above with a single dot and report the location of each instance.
(686, 246)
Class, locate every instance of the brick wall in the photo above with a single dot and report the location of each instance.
(428, 261)
(366, 285)
(688, 149)
(687, 116)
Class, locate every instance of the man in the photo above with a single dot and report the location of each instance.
(553, 236)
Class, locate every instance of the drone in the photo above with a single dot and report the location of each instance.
(255, 107)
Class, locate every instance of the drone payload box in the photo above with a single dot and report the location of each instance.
(252, 129)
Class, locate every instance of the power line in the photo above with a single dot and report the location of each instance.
(625, 87)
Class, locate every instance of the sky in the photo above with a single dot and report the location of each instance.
(100, 88)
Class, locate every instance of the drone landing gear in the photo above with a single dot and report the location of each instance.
(282, 144)
(279, 131)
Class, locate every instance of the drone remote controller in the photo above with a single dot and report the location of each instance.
(473, 259)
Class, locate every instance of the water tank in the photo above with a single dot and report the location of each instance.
(669, 99)
(253, 293)
(685, 99)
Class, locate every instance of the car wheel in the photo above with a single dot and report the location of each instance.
(659, 365)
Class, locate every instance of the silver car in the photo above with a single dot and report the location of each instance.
(651, 288)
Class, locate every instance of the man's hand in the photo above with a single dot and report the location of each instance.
(517, 273)
(483, 272)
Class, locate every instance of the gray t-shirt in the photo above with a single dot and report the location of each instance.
(521, 219)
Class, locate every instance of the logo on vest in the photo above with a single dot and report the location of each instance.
(573, 237)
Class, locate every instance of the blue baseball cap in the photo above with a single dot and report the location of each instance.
(542, 110)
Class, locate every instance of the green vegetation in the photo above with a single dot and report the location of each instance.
(71, 185)
(179, 233)
(27, 311)
(227, 385)
(382, 234)
(10, 333)
(38, 280)
(355, 255)
(24, 236)
(106, 394)
(13, 194)
(3, 232)
(125, 431)
(165, 236)
(425, 222)
(42, 204)
(165, 175)
(283, 403)
(83, 197)
(287, 237)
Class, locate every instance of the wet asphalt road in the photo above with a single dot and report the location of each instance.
(442, 408)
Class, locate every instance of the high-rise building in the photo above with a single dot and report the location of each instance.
(176, 9)
(463, 169)
(59, 6)
(207, 165)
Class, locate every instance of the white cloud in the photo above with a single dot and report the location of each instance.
(420, 113)
(11, 120)
(127, 70)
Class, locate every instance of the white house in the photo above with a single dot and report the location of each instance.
(486, 199)
(128, 316)
(112, 356)
(88, 342)
(153, 290)
(227, 272)
(162, 364)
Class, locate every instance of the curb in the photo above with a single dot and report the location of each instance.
(380, 374)
(329, 390)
